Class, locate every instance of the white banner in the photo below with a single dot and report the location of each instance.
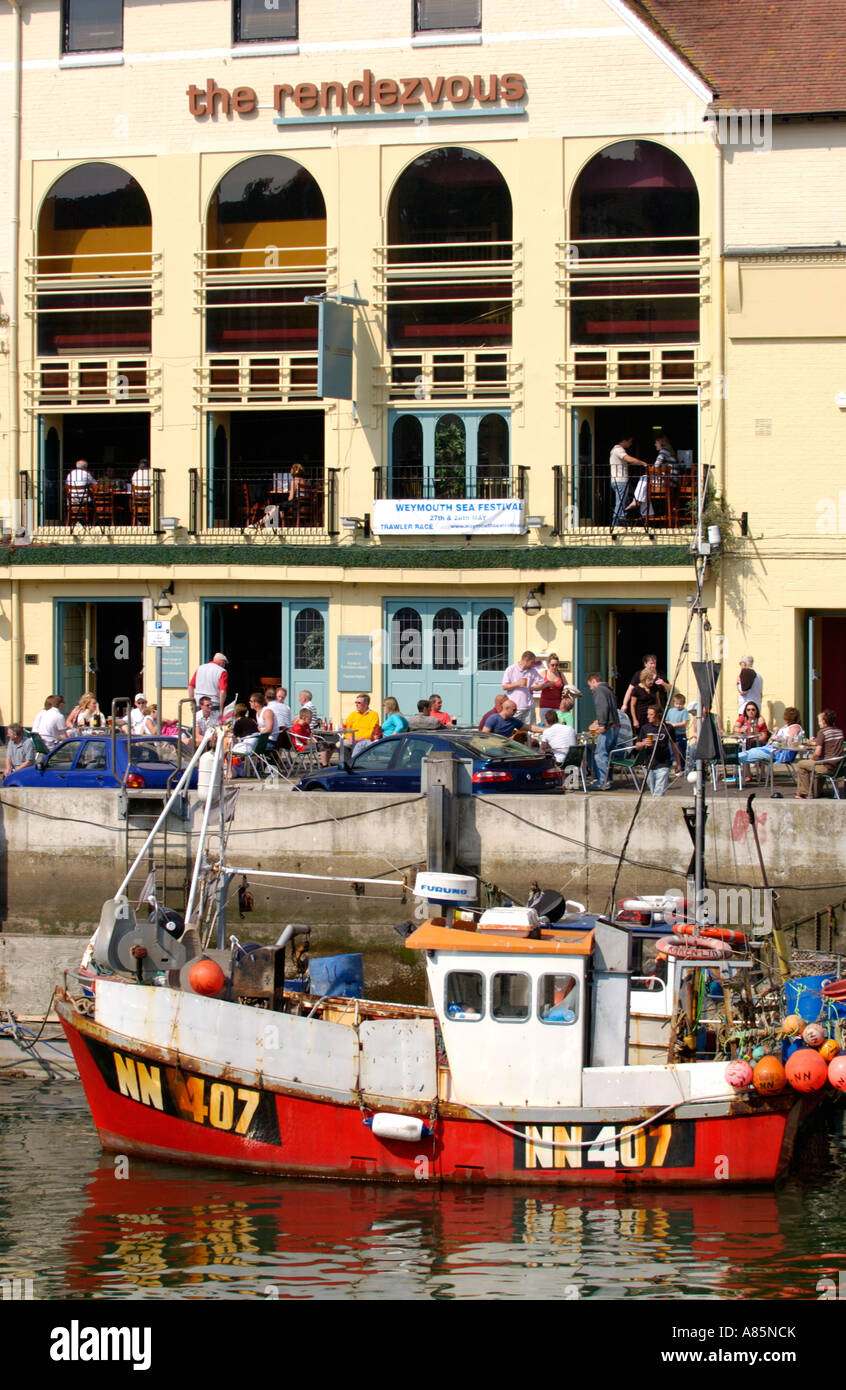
(462, 515)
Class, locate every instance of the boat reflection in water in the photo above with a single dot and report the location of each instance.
(193, 1235)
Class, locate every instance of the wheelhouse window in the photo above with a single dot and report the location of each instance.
(558, 999)
(92, 26)
(259, 20)
(465, 995)
(510, 997)
(447, 14)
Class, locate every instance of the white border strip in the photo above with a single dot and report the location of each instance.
(662, 50)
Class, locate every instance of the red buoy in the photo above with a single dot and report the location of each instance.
(806, 1070)
(206, 977)
(837, 1072)
(768, 1077)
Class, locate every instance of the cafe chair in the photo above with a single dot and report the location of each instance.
(139, 505)
(78, 506)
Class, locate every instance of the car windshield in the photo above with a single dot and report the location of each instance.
(495, 746)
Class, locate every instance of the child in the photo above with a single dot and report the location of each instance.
(678, 716)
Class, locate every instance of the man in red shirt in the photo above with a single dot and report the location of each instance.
(436, 708)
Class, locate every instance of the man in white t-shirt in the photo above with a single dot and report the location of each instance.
(49, 723)
(281, 710)
(750, 685)
(558, 738)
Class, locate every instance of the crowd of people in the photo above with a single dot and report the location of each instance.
(536, 705)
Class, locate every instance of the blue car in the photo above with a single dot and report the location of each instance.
(87, 762)
(393, 765)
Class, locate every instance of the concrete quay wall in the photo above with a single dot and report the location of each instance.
(62, 854)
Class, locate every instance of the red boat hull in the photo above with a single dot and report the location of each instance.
(143, 1106)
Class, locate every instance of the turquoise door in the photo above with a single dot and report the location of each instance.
(268, 641)
(457, 648)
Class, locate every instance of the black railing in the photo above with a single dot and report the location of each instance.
(259, 497)
(116, 497)
(193, 501)
(156, 494)
(653, 498)
(448, 480)
(332, 520)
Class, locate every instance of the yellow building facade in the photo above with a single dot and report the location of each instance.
(528, 211)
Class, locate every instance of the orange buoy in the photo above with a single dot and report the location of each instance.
(830, 1049)
(792, 1025)
(768, 1077)
(206, 977)
(806, 1070)
(837, 1072)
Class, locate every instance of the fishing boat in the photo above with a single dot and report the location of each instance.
(519, 1072)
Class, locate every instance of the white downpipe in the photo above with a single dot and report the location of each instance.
(171, 799)
(215, 785)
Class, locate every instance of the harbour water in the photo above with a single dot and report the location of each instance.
(79, 1224)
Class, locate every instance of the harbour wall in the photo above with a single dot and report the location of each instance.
(61, 854)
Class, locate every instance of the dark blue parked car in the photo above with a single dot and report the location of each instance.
(393, 765)
(87, 762)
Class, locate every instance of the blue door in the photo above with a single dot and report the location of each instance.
(455, 648)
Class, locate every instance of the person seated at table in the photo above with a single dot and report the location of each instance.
(143, 475)
(301, 731)
(751, 726)
(424, 718)
(80, 482)
(206, 718)
(362, 725)
(790, 732)
(20, 751)
(70, 723)
(558, 738)
(242, 737)
(394, 722)
(140, 722)
(505, 723)
(499, 701)
(436, 709)
(661, 750)
(828, 750)
(262, 715)
(88, 714)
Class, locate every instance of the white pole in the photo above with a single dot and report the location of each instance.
(214, 786)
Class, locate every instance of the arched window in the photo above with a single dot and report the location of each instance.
(492, 640)
(266, 250)
(309, 640)
(586, 500)
(448, 640)
(635, 201)
(492, 456)
(407, 640)
(451, 207)
(407, 457)
(95, 265)
(450, 457)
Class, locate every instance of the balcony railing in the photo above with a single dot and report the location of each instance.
(478, 374)
(252, 298)
(448, 481)
(586, 502)
(250, 380)
(96, 302)
(271, 500)
(655, 371)
(113, 504)
(455, 293)
(80, 383)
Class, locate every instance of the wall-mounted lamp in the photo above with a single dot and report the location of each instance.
(532, 606)
(163, 604)
(351, 523)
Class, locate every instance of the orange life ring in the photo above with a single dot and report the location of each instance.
(693, 948)
(734, 938)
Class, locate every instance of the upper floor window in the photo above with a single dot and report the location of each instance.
(257, 20)
(90, 26)
(447, 14)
